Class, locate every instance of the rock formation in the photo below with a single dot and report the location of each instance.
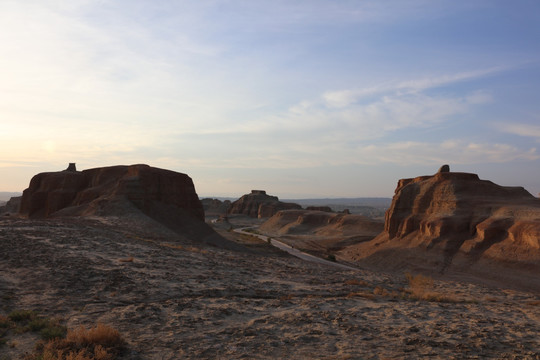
(145, 187)
(259, 205)
(323, 223)
(165, 196)
(454, 218)
(215, 207)
(11, 206)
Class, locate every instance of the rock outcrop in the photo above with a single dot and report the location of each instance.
(11, 206)
(85, 192)
(215, 207)
(135, 191)
(260, 205)
(454, 218)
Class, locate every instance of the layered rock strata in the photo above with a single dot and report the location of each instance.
(457, 218)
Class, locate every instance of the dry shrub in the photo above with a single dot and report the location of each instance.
(125, 260)
(99, 343)
(98, 353)
(100, 335)
(421, 288)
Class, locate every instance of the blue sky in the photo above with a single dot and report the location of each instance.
(301, 98)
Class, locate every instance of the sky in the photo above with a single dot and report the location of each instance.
(317, 98)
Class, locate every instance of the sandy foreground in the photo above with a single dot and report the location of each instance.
(174, 300)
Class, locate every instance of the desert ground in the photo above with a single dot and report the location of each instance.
(174, 299)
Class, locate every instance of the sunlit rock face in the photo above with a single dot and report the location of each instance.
(453, 216)
(258, 204)
(104, 190)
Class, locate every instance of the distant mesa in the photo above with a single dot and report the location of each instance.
(454, 219)
(259, 205)
(166, 196)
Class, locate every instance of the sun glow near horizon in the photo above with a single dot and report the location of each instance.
(309, 98)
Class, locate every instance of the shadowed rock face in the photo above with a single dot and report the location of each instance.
(137, 191)
(87, 192)
(260, 205)
(458, 218)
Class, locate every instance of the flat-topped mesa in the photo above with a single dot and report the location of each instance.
(457, 212)
(91, 191)
(258, 204)
(454, 220)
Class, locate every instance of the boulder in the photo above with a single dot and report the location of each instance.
(258, 204)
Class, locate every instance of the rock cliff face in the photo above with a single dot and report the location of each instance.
(456, 218)
(139, 192)
(259, 205)
(86, 192)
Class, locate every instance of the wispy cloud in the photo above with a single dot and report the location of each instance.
(526, 130)
(343, 98)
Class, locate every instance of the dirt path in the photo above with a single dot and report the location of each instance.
(291, 250)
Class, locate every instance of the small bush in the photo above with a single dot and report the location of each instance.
(100, 335)
(331, 257)
(53, 332)
(37, 324)
(21, 315)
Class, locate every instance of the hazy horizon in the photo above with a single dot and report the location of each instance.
(305, 99)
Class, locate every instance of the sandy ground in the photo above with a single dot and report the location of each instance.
(182, 301)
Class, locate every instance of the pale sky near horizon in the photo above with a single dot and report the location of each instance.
(300, 98)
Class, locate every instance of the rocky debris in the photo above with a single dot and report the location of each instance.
(456, 218)
(259, 205)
